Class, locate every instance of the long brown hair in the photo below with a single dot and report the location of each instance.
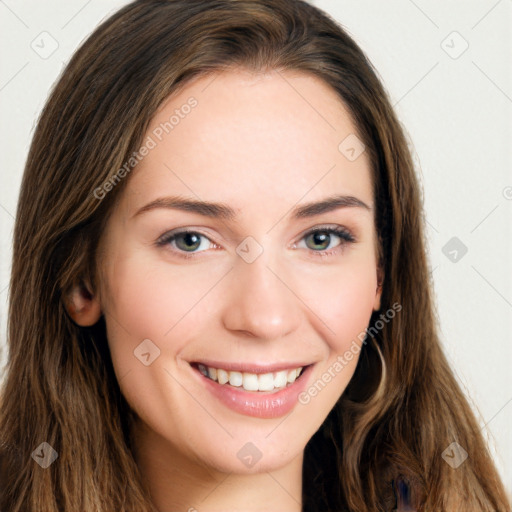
(403, 406)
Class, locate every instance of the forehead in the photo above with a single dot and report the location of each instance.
(273, 136)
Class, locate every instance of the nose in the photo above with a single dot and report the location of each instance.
(261, 300)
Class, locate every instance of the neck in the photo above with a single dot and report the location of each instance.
(178, 482)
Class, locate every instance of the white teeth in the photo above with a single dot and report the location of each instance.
(292, 375)
(235, 379)
(251, 381)
(222, 376)
(280, 379)
(265, 382)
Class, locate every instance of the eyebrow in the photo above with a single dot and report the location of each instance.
(224, 212)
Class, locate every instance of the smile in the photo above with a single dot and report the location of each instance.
(262, 392)
(251, 381)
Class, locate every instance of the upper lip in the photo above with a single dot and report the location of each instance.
(251, 367)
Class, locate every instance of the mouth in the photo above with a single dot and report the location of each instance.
(266, 391)
(259, 380)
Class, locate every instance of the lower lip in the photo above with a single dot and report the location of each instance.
(256, 403)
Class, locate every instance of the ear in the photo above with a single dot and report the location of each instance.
(82, 305)
(378, 291)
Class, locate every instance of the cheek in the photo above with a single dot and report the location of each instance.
(349, 312)
(152, 300)
(149, 300)
(343, 300)
(345, 304)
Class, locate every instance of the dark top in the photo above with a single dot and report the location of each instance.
(402, 493)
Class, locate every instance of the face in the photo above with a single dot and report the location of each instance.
(250, 288)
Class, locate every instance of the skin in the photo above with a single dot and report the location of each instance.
(255, 144)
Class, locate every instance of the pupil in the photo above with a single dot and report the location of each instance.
(323, 237)
(191, 239)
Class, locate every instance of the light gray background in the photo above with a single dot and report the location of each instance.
(456, 107)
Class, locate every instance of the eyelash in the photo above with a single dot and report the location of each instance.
(345, 236)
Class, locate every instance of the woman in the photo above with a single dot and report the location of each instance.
(179, 336)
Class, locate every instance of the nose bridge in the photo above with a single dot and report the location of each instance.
(260, 302)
